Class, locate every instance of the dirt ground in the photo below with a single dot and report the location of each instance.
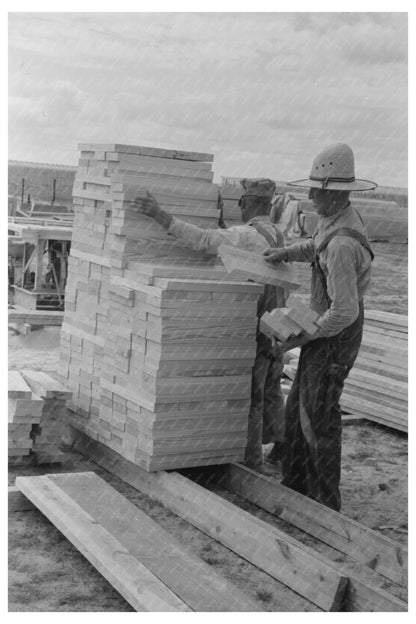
(46, 573)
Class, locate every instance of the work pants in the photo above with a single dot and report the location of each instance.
(266, 417)
(312, 449)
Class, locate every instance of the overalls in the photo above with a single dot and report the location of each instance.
(266, 417)
(312, 449)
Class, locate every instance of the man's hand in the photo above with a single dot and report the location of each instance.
(275, 256)
(147, 205)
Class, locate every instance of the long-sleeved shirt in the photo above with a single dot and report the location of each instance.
(243, 236)
(346, 264)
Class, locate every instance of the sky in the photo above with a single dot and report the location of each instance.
(263, 92)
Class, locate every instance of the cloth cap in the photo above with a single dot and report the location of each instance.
(258, 187)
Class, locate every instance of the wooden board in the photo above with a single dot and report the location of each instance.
(44, 385)
(361, 596)
(127, 574)
(380, 553)
(271, 550)
(144, 151)
(254, 267)
(195, 582)
(17, 386)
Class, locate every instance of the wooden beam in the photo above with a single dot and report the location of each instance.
(285, 559)
(193, 580)
(129, 577)
(380, 553)
(361, 596)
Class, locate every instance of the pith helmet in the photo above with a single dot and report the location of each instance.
(333, 168)
(258, 187)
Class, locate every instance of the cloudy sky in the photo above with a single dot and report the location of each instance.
(263, 92)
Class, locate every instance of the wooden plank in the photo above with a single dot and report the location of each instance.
(271, 550)
(361, 596)
(18, 314)
(145, 151)
(44, 385)
(278, 324)
(17, 387)
(254, 266)
(18, 501)
(129, 576)
(380, 553)
(190, 578)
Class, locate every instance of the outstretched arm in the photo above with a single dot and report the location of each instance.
(194, 237)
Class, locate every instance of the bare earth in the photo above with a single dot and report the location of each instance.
(46, 573)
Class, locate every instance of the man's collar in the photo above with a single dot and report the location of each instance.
(258, 218)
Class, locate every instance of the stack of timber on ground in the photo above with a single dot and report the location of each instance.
(157, 342)
(24, 410)
(356, 582)
(37, 417)
(377, 386)
(385, 220)
(231, 210)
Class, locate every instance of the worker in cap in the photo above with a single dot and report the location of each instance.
(257, 233)
(340, 256)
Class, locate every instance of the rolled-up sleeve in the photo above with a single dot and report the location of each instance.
(342, 290)
(301, 252)
(199, 239)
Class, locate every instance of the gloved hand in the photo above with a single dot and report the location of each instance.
(275, 256)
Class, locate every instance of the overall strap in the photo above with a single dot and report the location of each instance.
(265, 233)
(346, 232)
(340, 232)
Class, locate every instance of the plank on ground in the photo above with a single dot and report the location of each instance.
(271, 550)
(363, 596)
(17, 387)
(130, 578)
(189, 577)
(382, 554)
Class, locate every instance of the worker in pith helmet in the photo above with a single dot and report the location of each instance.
(340, 257)
(257, 233)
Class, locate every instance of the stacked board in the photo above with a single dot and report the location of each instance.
(377, 386)
(47, 433)
(24, 410)
(385, 220)
(157, 342)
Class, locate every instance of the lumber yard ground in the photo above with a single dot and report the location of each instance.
(47, 573)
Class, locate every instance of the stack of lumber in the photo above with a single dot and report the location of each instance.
(157, 343)
(25, 409)
(231, 210)
(377, 386)
(385, 220)
(47, 433)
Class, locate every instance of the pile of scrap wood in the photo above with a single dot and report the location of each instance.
(157, 342)
(377, 386)
(36, 417)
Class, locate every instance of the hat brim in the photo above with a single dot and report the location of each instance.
(357, 185)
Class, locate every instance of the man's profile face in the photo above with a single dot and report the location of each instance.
(323, 200)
